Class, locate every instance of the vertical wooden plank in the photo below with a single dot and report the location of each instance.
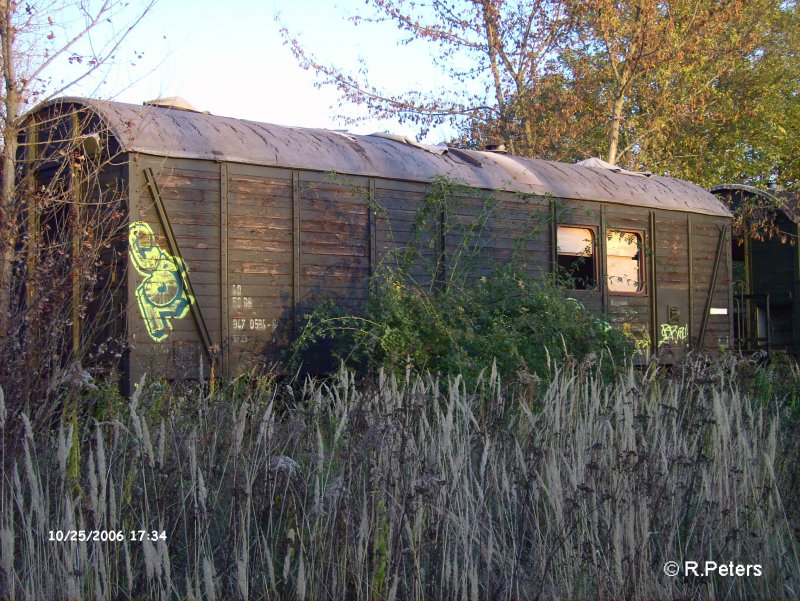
(223, 268)
(795, 344)
(373, 243)
(690, 254)
(441, 251)
(601, 251)
(77, 178)
(295, 250)
(31, 260)
(654, 295)
(553, 236)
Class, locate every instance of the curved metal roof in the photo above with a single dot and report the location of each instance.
(744, 188)
(183, 134)
(784, 201)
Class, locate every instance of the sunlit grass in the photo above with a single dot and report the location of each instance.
(417, 489)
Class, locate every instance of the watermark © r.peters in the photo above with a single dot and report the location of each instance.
(712, 568)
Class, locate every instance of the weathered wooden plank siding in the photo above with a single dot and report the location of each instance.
(705, 238)
(582, 214)
(673, 303)
(398, 224)
(190, 193)
(486, 229)
(631, 311)
(260, 264)
(294, 238)
(334, 240)
(672, 251)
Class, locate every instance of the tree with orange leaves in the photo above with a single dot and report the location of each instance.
(701, 89)
(510, 49)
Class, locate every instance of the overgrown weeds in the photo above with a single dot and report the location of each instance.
(442, 303)
(505, 318)
(409, 487)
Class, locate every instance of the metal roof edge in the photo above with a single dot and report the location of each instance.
(744, 188)
(783, 204)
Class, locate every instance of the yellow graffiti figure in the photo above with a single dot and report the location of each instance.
(161, 295)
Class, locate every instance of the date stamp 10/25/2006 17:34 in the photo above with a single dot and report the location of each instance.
(112, 536)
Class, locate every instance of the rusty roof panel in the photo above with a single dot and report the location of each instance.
(182, 134)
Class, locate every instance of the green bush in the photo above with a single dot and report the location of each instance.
(506, 318)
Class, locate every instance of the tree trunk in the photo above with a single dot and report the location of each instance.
(528, 134)
(7, 238)
(8, 175)
(491, 40)
(613, 132)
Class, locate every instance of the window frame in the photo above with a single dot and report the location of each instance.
(643, 283)
(594, 231)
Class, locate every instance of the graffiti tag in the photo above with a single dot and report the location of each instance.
(161, 295)
(638, 335)
(671, 334)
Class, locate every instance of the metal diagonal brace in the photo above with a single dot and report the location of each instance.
(172, 243)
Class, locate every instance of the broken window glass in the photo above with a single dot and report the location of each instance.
(576, 256)
(623, 261)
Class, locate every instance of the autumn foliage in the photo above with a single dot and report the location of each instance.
(702, 90)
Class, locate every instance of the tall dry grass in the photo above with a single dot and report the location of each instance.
(405, 490)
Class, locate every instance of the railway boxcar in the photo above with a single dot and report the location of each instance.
(766, 269)
(235, 228)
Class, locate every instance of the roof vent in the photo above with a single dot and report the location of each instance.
(595, 163)
(433, 148)
(498, 148)
(172, 102)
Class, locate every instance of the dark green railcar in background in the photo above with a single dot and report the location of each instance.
(766, 269)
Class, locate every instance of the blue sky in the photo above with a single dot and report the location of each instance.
(228, 58)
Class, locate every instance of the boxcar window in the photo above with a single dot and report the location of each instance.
(624, 261)
(576, 256)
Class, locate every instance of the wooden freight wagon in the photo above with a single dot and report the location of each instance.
(235, 228)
